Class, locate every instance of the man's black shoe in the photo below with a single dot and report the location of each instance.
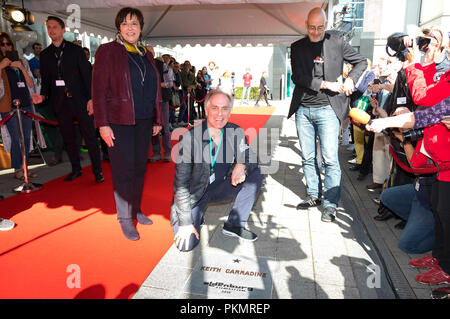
(309, 202)
(400, 225)
(72, 176)
(354, 168)
(362, 176)
(99, 178)
(239, 232)
(384, 216)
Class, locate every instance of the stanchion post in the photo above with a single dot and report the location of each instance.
(189, 108)
(26, 187)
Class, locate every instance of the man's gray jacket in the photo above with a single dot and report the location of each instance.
(192, 169)
(336, 50)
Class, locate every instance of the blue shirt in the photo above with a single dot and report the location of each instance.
(144, 96)
(208, 84)
(221, 167)
(34, 65)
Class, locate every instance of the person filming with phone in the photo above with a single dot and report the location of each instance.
(16, 83)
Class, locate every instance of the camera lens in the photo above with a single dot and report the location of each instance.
(413, 135)
(422, 43)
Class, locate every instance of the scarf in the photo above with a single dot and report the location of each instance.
(138, 48)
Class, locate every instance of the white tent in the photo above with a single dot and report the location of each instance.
(172, 22)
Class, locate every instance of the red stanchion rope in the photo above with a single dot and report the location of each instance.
(39, 118)
(198, 100)
(175, 107)
(6, 118)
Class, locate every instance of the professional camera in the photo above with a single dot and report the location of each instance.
(422, 43)
(395, 46)
(413, 135)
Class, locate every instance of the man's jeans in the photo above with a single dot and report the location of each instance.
(418, 235)
(322, 122)
(245, 92)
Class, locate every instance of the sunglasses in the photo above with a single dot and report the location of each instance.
(5, 43)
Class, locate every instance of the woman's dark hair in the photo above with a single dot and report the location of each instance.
(59, 20)
(133, 12)
(4, 35)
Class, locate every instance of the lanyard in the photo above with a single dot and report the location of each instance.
(213, 159)
(59, 60)
(18, 74)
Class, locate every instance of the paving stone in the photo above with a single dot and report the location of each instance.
(422, 293)
(336, 292)
(167, 277)
(330, 274)
(155, 293)
(227, 275)
(293, 289)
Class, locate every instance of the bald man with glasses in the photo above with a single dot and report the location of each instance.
(320, 104)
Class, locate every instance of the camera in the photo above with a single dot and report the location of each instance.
(422, 43)
(395, 46)
(12, 55)
(413, 135)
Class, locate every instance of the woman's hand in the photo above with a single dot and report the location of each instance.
(401, 110)
(107, 135)
(156, 129)
(17, 65)
(446, 122)
(5, 63)
(398, 134)
(37, 99)
(376, 125)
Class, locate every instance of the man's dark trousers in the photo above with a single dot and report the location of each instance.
(69, 111)
(128, 159)
(245, 194)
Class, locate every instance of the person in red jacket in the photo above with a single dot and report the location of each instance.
(127, 108)
(428, 89)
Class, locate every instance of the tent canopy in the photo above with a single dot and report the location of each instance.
(172, 22)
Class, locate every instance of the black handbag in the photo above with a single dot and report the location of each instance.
(166, 94)
(175, 99)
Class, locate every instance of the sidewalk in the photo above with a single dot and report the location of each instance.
(297, 255)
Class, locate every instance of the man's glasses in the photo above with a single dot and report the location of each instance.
(5, 43)
(320, 28)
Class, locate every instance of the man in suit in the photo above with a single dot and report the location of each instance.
(66, 81)
(320, 105)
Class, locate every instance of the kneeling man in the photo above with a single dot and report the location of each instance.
(214, 164)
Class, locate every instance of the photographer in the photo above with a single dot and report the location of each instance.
(426, 88)
(381, 158)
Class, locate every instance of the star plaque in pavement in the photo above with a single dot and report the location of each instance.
(236, 260)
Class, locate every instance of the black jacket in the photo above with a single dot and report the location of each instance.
(335, 51)
(76, 73)
(192, 171)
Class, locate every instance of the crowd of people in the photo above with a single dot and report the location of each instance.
(143, 98)
(410, 168)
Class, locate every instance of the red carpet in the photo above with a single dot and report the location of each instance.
(70, 229)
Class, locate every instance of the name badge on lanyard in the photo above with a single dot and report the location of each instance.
(212, 178)
(21, 84)
(60, 83)
(401, 100)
